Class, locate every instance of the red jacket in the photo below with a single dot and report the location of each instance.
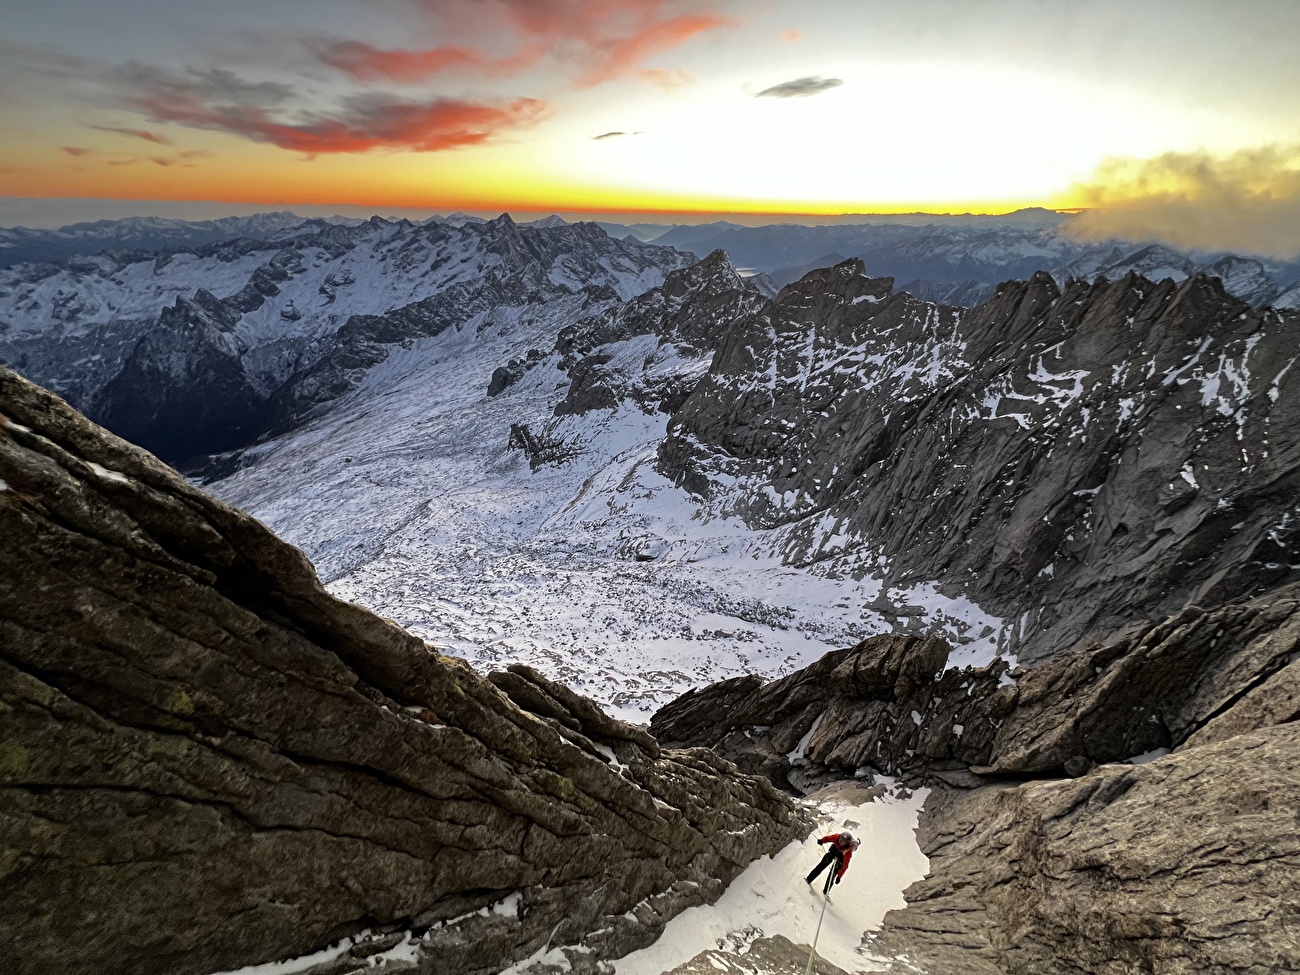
(845, 853)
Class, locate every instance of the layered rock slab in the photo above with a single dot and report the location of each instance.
(206, 761)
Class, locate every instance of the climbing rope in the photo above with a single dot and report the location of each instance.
(812, 952)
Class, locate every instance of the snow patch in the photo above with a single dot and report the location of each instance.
(771, 896)
(1150, 756)
(290, 966)
(796, 757)
(108, 475)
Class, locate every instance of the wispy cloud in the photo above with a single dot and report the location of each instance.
(616, 135)
(616, 56)
(666, 79)
(144, 134)
(77, 150)
(273, 112)
(364, 62)
(1246, 201)
(800, 87)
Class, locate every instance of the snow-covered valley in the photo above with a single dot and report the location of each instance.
(597, 570)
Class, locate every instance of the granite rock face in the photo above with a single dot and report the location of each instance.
(891, 703)
(1074, 459)
(207, 762)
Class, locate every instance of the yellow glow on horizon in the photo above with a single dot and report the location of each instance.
(409, 182)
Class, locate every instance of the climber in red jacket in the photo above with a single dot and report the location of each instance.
(841, 852)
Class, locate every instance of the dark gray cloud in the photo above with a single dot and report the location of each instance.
(608, 135)
(800, 87)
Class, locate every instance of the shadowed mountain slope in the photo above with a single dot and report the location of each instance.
(1069, 459)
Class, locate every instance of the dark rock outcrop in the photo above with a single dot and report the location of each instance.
(206, 761)
(503, 377)
(184, 389)
(891, 705)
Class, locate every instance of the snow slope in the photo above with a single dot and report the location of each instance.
(770, 897)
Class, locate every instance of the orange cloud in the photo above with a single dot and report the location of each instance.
(364, 62)
(76, 150)
(618, 56)
(792, 35)
(366, 122)
(1248, 201)
(607, 39)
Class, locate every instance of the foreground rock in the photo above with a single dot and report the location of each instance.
(208, 762)
(890, 705)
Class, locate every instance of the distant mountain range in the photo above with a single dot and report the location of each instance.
(948, 259)
(960, 260)
(199, 348)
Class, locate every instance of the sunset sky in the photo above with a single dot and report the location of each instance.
(1176, 113)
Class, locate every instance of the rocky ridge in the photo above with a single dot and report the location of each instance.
(1073, 459)
(688, 315)
(23, 245)
(207, 761)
